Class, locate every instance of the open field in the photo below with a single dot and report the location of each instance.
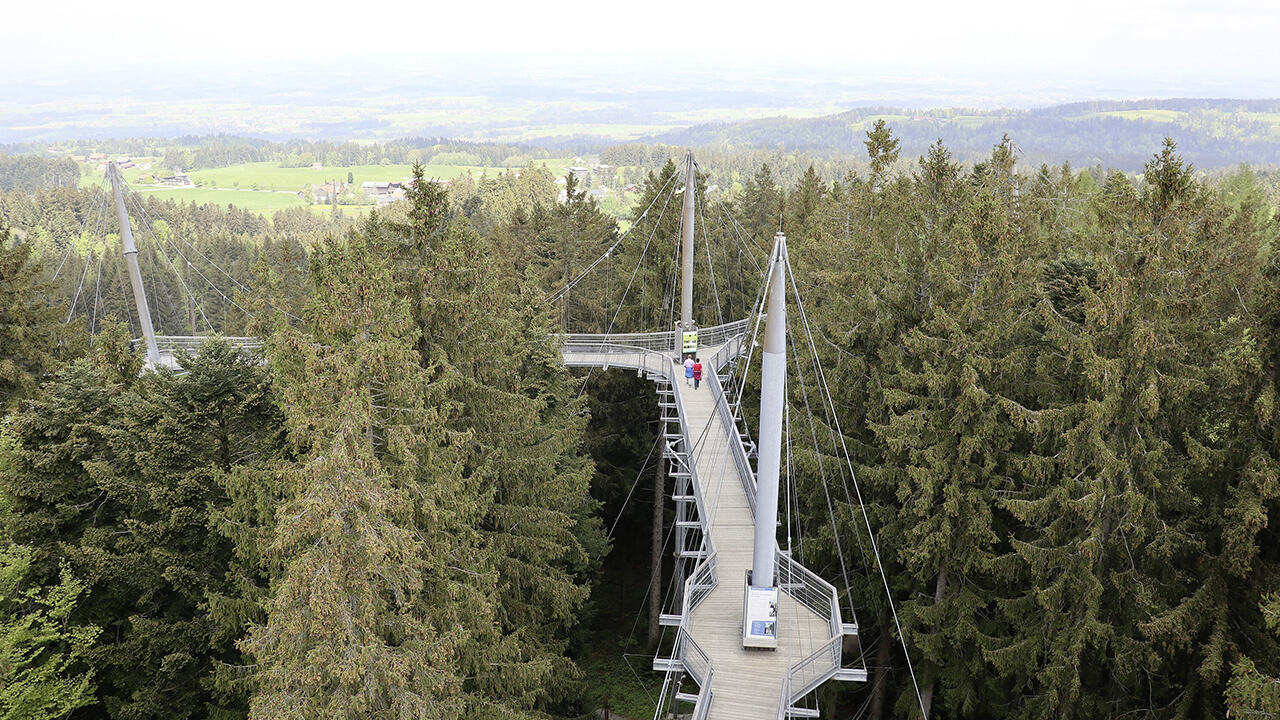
(1153, 115)
(267, 187)
(270, 176)
(91, 176)
(245, 199)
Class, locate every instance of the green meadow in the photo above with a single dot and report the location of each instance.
(267, 187)
(270, 176)
(1152, 114)
(244, 199)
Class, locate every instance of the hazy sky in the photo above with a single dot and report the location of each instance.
(1233, 42)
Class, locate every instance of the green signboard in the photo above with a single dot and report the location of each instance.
(690, 343)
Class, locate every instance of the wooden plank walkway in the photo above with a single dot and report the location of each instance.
(748, 683)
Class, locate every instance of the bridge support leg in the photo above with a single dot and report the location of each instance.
(761, 599)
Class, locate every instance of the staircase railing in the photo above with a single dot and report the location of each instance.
(806, 588)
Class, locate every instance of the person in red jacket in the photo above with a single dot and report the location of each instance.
(697, 372)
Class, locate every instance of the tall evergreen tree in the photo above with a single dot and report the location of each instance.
(114, 474)
(350, 628)
(42, 672)
(30, 326)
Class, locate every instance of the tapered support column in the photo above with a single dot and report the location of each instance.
(686, 247)
(131, 260)
(773, 393)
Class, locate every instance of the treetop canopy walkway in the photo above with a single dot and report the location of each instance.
(755, 631)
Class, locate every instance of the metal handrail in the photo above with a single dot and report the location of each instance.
(702, 708)
(664, 341)
(695, 660)
(718, 334)
(661, 341)
(746, 475)
(193, 342)
(805, 676)
(648, 351)
(811, 591)
(820, 597)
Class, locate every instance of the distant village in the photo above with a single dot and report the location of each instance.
(100, 160)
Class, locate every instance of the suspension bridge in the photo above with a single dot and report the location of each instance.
(755, 631)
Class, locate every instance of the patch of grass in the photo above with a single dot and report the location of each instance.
(619, 131)
(244, 199)
(705, 115)
(270, 176)
(1164, 116)
(346, 210)
(91, 176)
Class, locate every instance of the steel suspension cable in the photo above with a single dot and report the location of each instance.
(623, 299)
(181, 281)
(884, 577)
(97, 294)
(711, 268)
(191, 265)
(822, 472)
(75, 300)
(608, 253)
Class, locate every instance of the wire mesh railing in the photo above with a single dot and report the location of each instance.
(665, 341)
(820, 597)
(719, 334)
(805, 676)
(659, 341)
(806, 588)
(699, 585)
(702, 706)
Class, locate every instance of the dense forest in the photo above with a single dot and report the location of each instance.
(1058, 389)
(1116, 134)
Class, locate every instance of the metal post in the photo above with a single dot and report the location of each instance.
(773, 392)
(686, 247)
(131, 259)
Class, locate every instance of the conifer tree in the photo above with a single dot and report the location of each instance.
(42, 671)
(520, 411)
(29, 325)
(114, 474)
(346, 634)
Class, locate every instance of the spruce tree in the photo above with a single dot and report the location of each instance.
(114, 474)
(42, 670)
(31, 333)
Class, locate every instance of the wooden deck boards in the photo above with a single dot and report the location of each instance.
(748, 683)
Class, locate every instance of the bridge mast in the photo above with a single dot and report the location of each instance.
(686, 247)
(131, 259)
(773, 393)
(760, 602)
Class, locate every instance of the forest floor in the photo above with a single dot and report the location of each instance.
(616, 664)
